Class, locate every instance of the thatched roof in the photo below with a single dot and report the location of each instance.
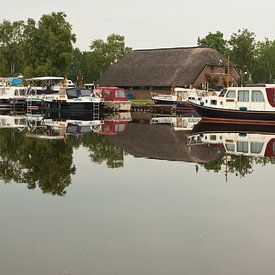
(161, 67)
(162, 142)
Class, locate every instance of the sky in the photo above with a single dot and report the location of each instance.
(149, 24)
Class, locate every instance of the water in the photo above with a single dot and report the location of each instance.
(146, 200)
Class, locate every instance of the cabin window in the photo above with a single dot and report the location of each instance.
(242, 146)
(213, 102)
(119, 128)
(86, 92)
(22, 91)
(72, 93)
(120, 93)
(231, 94)
(243, 96)
(213, 137)
(230, 147)
(16, 92)
(257, 96)
(106, 93)
(256, 147)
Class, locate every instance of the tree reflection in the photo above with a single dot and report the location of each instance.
(239, 165)
(46, 164)
(101, 149)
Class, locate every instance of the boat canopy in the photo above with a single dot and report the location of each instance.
(53, 78)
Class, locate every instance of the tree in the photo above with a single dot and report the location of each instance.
(242, 51)
(264, 69)
(103, 54)
(214, 41)
(11, 37)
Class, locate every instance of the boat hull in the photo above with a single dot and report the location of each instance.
(234, 116)
(181, 104)
(121, 106)
(65, 106)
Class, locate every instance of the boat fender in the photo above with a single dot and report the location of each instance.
(201, 103)
(242, 108)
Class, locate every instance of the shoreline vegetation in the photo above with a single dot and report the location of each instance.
(46, 47)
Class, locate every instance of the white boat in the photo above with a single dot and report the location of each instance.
(12, 91)
(181, 96)
(246, 105)
(52, 97)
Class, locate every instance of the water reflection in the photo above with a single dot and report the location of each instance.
(244, 146)
(38, 149)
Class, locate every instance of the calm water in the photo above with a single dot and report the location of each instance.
(135, 198)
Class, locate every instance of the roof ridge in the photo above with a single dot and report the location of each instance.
(174, 48)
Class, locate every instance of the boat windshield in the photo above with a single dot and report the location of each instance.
(120, 93)
(73, 93)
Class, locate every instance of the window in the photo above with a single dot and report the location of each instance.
(243, 96)
(106, 93)
(256, 147)
(213, 102)
(242, 146)
(213, 137)
(119, 128)
(230, 147)
(212, 67)
(86, 92)
(257, 96)
(120, 93)
(231, 94)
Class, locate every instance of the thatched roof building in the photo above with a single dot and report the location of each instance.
(164, 68)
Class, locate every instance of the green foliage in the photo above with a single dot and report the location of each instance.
(264, 69)
(242, 50)
(103, 54)
(214, 41)
(38, 48)
(11, 39)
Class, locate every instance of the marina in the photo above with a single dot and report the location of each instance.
(145, 153)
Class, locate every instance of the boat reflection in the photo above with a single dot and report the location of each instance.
(243, 145)
(38, 149)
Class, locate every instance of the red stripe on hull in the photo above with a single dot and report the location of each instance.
(238, 121)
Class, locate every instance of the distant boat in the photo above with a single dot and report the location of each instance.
(181, 96)
(245, 105)
(115, 98)
(12, 91)
(55, 97)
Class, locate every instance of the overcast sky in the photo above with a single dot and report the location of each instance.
(151, 23)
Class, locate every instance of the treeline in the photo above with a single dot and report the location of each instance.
(255, 60)
(46, 47)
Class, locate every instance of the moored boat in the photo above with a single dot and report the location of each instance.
(181, 96)
(245, 105)
(115, 99)
(55, 98)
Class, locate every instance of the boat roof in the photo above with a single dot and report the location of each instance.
(45, 78)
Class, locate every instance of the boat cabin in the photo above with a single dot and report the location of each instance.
(243, 98)
(112, 93)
